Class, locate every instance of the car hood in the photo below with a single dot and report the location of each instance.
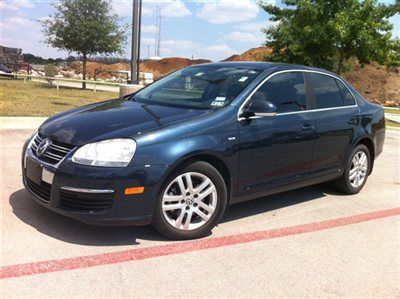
(113, 119)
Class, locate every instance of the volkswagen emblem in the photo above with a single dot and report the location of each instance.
(43, 146)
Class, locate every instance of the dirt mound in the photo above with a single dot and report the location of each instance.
(165, 66)
(234, 57)
(159, 68)
(376, 82)
(96, 67)
(255, 54)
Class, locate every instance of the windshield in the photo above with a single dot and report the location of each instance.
(200, 87)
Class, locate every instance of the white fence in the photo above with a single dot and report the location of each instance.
(66, 82)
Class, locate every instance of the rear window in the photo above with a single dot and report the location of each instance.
(347, 97)
(326, 91)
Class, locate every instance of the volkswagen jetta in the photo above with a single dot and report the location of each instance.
(179, 151)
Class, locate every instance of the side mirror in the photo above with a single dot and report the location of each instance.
(260, 107)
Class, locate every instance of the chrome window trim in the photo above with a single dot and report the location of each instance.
(84, 190)
(294, 112)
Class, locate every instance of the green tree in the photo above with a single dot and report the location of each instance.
(393, 58)
(86, 27)
(326, 33)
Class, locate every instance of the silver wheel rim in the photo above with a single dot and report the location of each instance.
(189, 201)
(358, 169)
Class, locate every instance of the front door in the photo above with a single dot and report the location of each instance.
(277, 150)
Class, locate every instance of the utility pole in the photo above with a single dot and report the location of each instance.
(136, 28)
(158, 33)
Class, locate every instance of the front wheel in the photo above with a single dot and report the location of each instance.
(191, 202)
(356, 173)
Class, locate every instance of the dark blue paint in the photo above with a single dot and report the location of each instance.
(267, 155)
(274, 151)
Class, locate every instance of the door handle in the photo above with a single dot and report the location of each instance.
(308, 127)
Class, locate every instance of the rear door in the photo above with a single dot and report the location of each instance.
(336, 117)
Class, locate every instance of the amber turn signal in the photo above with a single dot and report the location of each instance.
(134, 190)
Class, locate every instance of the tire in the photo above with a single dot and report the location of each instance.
(203, 204)
(347, 183)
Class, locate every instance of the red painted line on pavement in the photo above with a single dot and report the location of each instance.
(182, 247)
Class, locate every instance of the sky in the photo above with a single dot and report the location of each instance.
(210, 29)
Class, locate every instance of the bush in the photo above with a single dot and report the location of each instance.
(50, 70)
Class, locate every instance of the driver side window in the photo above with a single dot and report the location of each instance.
(287, 91)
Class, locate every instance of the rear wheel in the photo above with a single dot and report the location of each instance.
(191, 203)
(356, 173)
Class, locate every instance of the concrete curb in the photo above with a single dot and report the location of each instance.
(393, 117)
(21, 123)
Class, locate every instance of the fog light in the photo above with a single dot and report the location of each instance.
(134, 190)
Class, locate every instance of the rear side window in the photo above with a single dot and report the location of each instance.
(347, 97)
(287, 91)
(326, 91)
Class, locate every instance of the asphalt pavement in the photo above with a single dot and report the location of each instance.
(311, 242)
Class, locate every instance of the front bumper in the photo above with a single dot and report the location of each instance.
(77, 191)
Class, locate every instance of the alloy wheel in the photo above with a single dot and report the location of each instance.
(189, 201)
(358, 169)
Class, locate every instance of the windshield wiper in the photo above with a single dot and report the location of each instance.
(127, 97)
(130, 97)
(151, 112)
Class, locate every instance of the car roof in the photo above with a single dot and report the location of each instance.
(264, 66)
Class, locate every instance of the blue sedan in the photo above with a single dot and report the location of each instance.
(179, 151)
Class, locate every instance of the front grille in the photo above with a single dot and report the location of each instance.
(55, 152)
(81, 202)
(42, 191)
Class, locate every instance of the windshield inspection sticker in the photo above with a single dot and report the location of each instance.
(217, 104)
(243, 79)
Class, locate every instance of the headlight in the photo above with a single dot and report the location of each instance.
(107, 153)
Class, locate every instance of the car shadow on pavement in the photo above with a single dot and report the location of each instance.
(278, 201)
(72, 231)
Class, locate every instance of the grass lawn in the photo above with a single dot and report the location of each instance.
(392, 111)
(390, 123)
(41, 99)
